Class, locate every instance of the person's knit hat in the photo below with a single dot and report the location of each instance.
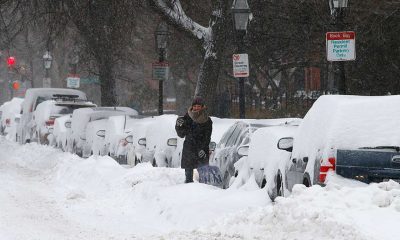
(198, 101)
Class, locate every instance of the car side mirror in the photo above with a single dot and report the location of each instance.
(285, 144)
(243, 150)
(67, 124)
(173, 142)
(101, 133)
(142, 141)
(212, 146)
(129, 139)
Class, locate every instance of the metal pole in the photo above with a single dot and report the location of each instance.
(160, 86)
(342, 74)
(242, 99)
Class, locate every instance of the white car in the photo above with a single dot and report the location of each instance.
(81, 117)
(122, 134)
(238, 135)
(62, 126)
(10, 112)
(47, 111)
(94, 141)
(265, 161)
(158, 152)
(33, 97)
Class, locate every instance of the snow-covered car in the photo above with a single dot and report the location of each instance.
(81, 117)
(265, 161)
(334, 122)
(94, 143)
(58, 138)
(238, 135)
(10, 112)
(158, 152)
(47, 111)
(33, 97)
(122, 135)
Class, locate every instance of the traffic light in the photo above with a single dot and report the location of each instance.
(11, 61)
(15, 85)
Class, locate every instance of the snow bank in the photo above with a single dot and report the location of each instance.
(96, 198)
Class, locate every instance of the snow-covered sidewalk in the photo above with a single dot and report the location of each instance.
(48, 194)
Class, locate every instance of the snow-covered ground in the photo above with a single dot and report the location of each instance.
(48, 194)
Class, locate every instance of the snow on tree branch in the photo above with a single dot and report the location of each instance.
(178, 16)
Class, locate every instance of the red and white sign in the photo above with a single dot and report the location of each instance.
(240, 65)
(340, 46)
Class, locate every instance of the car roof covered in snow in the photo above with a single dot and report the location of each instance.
(350, 122)
(32, 95)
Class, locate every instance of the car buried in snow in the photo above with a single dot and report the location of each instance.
(356, 137)
(33, 97)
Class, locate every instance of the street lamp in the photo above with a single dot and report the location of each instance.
(240, 16)
(47, 60)
(337, 12)
(161, 36)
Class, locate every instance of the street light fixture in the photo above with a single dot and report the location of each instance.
(47, 60)
(240, 16)
(337, 13)
(161, 36)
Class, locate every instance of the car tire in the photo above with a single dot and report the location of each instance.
(136, 161)
(154, 163)
(307, 180)
(227, 178)
(278, 189)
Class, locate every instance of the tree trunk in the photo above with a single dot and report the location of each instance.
(209, 73)
(107, 84)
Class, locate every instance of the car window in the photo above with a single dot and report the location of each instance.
(39, 100)
(225, 137)
(234, 136)
(242, 135)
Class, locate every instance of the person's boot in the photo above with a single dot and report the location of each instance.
(189, 175)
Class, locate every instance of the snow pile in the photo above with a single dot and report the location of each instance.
(57, 195)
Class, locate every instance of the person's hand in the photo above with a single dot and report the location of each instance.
(180, 122)
(201, 154)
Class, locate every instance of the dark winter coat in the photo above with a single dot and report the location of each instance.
(197, 138)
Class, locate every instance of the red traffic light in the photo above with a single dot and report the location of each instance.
(15, 85)
(11, 61)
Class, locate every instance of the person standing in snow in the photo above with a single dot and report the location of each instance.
(196, 128)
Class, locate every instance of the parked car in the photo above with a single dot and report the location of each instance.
(47, 111)
(81, 117)
(10, 113)
(356, 137)
(122, 135)
(94, 143)
(62, 127)
(33, 97)
(265, 161)
(158, 152)
(238, 135)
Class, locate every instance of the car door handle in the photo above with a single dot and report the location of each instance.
(294, 160)
(396, 159)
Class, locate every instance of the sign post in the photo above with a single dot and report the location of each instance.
(240, 65)
(73, 81)
(340, 46)
(160, 71)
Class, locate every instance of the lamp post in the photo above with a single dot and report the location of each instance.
(161, 36)
(47, 60)
(240, 16)
(337, 11)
